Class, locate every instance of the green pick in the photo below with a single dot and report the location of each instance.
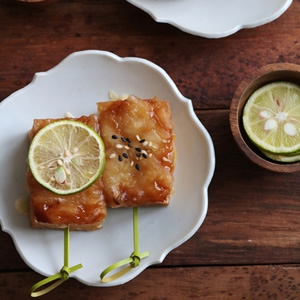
(60, 277)
(133, 261)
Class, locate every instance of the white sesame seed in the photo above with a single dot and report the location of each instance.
(165, 159)
(145, 143)
(119, 146)
(126, 147)
(137, 137)
(69, 115)
(156, 186)
(132, 163)
(59, 162)
(150, 144)
(113, 155)
(150, 154)
(143, 151)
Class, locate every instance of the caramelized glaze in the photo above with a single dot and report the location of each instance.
(84, 210)
(148, 128)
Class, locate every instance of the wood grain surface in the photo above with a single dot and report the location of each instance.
(249, 244)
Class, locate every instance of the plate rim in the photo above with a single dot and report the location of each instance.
(217, 34)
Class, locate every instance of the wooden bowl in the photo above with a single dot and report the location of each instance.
(264, 75)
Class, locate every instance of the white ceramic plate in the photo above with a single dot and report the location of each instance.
(75, 85)
(213, 18)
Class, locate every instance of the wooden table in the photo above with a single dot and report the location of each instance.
(249, 244)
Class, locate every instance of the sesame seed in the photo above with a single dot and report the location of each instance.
(165, 159)
(137, 137)
(144, 151)
(138, 154)
(144, 155)
(150, 144)
(138, 149)
(127, 147)
(142, 140)
(113, 155)
(123, 139)
(145, 143)
(114, 137)
(132, 162)
(150, 154)
(119, 146)
(120, 158)
(137, 166)
(128, 140)
(125, 155)
(59, 162)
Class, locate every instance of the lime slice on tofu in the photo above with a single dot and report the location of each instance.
(271, 117)
(66, 156)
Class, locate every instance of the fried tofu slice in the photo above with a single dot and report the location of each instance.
(140, 151)
(85, 210)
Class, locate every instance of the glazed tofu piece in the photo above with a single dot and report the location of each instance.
(85, 210)
(140, 151)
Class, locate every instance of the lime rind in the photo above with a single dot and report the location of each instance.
(282, 158)
(270, 113)
(81, 166)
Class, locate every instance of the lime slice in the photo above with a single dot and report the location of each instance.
(66, 156)
(271, 117)
(282, 158)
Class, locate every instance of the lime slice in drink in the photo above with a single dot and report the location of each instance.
(66, 156)
(271, 117)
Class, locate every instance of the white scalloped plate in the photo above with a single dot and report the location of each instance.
(213, 18)
(75, 85)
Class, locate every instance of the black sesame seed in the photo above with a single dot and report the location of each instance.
(129, 145)
(142, 140)
(125, 155)
(114, 137)
(128, 140)
(138, 154)
(144, 155)
(137, 166)
(123, 139)
(120, 158)
(138, 149)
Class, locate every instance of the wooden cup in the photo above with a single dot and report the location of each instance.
(263, 76)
